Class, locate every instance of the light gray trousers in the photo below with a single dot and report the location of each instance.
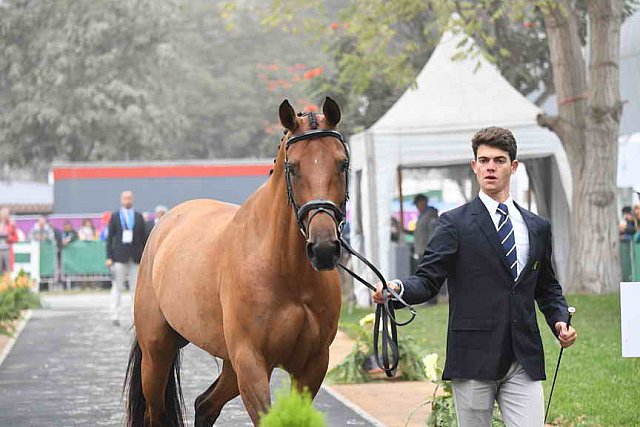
(520, 399)
(121, 273)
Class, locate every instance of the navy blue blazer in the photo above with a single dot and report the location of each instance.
(492, 319)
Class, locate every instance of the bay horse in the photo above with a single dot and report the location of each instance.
(254, 285)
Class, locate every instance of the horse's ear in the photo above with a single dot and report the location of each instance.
(331, 111)
(288, 116)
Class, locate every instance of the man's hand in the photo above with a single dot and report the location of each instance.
(377, 295)
(566, 336)
(108, 262)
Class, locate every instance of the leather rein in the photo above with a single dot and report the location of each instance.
(385, 331)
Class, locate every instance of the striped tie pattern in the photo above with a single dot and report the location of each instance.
(507, 239)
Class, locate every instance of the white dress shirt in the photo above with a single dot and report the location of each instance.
(520, 230)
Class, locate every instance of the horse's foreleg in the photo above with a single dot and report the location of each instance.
(209, 404)
(253, 382)
(310, 378)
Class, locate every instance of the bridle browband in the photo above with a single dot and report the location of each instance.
(385, 325)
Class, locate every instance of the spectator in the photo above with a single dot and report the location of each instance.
(57, 234)
(87, 231)
(42, 231)
(636, 211)
(125, 243)
(425, 225)
(160, 211)
(104, 220)
(68, 234)
(8, 235)
(627, 225)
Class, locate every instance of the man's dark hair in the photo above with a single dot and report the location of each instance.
(420, 197)
(497, 137)
(626, 210)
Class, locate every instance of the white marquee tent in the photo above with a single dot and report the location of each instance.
(432, 125)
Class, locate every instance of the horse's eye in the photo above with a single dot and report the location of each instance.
(291, 168)
(344, 166)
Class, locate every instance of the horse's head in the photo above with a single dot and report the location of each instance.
(316, 169)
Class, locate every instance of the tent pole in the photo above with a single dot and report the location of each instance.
(401, 195)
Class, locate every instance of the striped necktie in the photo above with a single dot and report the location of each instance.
(507, 239)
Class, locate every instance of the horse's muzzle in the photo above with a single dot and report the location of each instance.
(324, 255)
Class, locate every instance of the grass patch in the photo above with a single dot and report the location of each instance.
(595, 386)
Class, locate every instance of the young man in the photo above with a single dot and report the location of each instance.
(125, 243)
(497, 259)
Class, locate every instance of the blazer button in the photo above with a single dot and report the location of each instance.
(515, 321)
(513, 292)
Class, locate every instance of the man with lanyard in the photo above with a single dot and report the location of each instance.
(125, 243)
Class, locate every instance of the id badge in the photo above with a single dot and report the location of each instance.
(127, 236)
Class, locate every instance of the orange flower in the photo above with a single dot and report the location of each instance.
(312, 73)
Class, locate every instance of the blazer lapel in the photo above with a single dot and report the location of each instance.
(529, 220)
(482, 217)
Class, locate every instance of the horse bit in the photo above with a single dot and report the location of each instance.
(385, 324)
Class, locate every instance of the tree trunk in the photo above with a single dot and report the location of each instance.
(587, 124)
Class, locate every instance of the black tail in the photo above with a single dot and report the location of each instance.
(173, 400)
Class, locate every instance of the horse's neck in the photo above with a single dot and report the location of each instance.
(269, 213)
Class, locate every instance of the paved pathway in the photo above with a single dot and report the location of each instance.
(67, 369)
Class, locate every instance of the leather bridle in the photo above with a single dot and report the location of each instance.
(385, 324)
(315, 207)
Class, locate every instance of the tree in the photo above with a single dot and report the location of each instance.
(588, 122)
(144, 79)
(512, 33)
(77, 80)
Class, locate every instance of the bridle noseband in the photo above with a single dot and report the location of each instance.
(315, 207)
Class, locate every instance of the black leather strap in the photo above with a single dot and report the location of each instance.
(385, 324)
(318, 133)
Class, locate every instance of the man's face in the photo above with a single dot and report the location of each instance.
(42, 221)
(421, 205)
(493, 169)
(126, 199)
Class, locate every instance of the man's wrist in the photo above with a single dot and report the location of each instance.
(400, 291)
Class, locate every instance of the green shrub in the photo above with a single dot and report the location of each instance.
(293, 409)
(15, 296)
(351, 370)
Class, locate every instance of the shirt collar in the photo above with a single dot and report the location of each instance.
(492, 205)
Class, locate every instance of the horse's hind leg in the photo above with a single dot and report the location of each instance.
(209, 404)
(159, 345)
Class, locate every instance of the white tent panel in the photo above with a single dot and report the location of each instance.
(628, 161)
(456, 94)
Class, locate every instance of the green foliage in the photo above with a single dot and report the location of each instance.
(15, 296)
(144, 79)
(293, 409)
(410, 360)
(351, 369)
